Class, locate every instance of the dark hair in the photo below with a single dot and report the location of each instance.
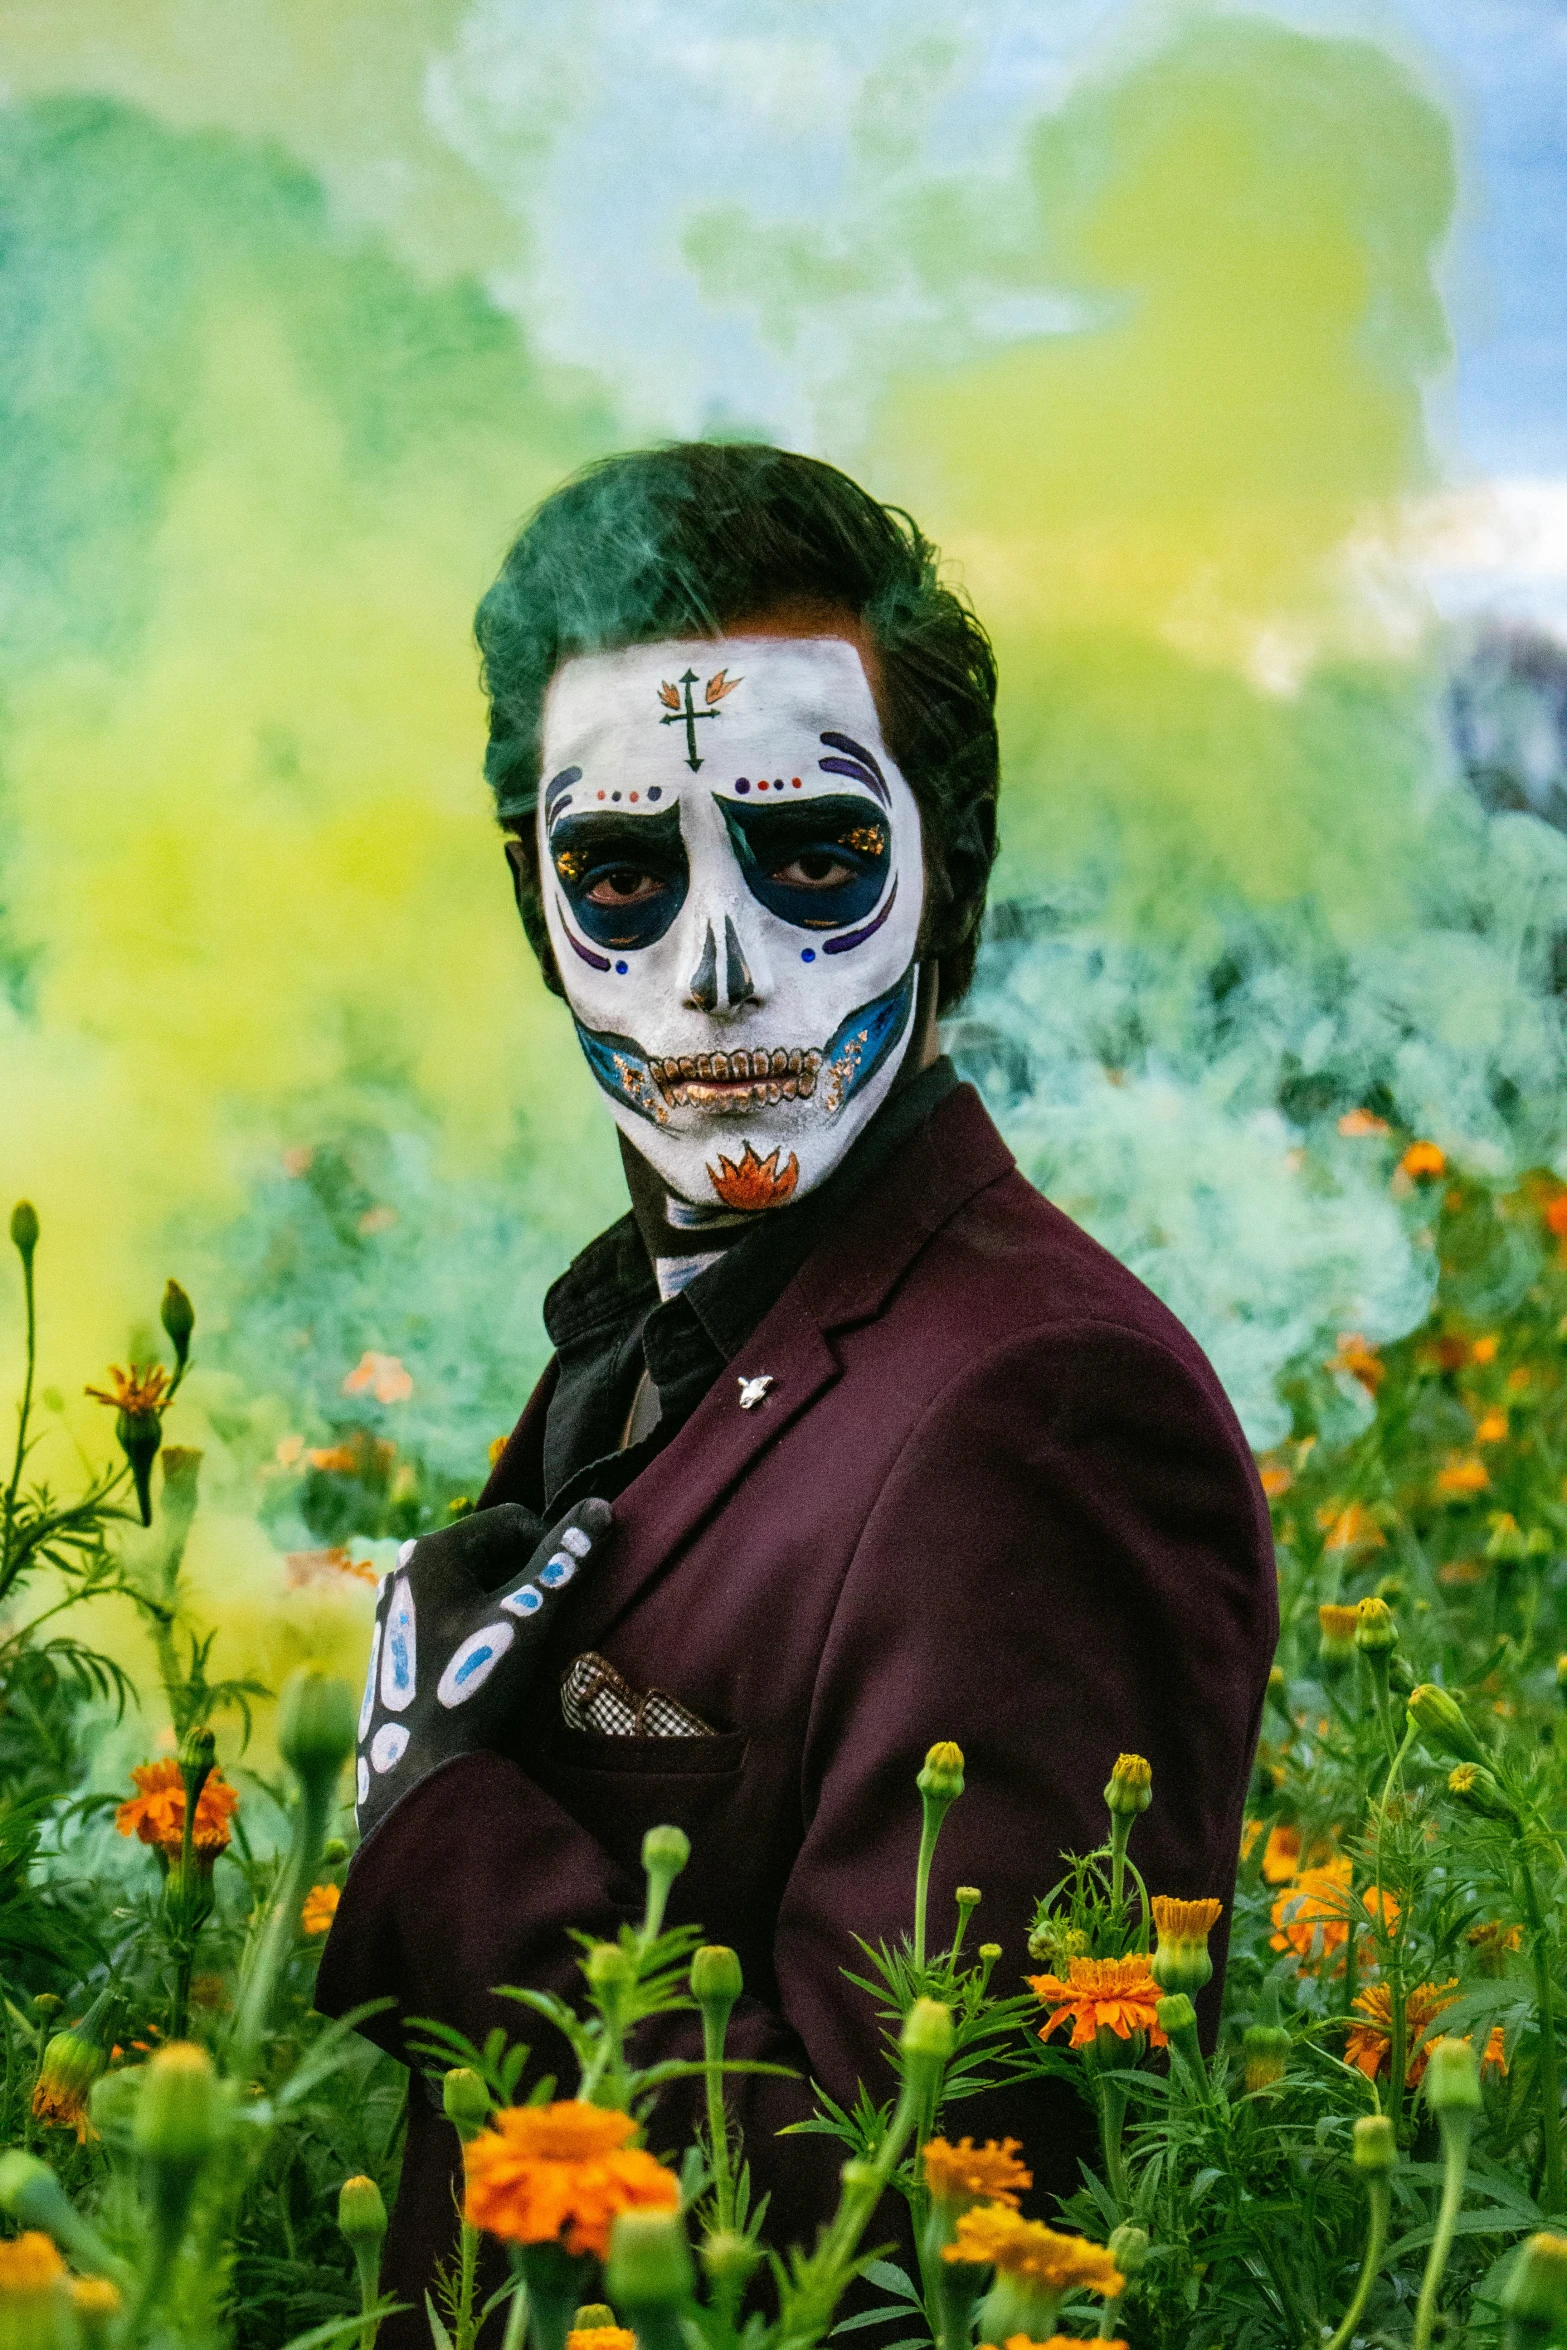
(687, 541)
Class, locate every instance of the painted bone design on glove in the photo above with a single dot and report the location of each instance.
(458, 1628)
(734, 885)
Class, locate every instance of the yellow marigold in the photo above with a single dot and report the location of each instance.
(1494, 1941)
(1370, 2041)
(966, 2174)
(1312, 1918)
(1056, 2342)
(1281, 1853)
(1336, 1630)
(29, 2264)
(996, 2237)
(1461, 1475)
(95, 2299)
(139, 1394)
(1116, 1995)
(1276, 1479)
(1423, 1158)
(320, 1908)
(1491, 1427)
(157, 1814)
(547, 2171)
(1484, 1350)
(601, 2338)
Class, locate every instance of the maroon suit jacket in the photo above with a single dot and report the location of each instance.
(995, 1494)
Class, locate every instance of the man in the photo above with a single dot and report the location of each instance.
(850, 1441)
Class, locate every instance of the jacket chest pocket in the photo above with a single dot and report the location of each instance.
(618, 1788)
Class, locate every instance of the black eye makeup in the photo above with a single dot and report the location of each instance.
(819, 863)
(624, 877)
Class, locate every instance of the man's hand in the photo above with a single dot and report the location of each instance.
(458, 1626)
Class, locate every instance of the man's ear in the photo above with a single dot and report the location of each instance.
(523, 858)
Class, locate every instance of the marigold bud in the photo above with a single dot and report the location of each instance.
(1535, 2294)
(30, 2193)
(179, 2113)
(1480, 1790)
(1128, 2248)
(1336, 1627)
(139, 1434)
(1375, 2144)
(361, 2214)
(990, 1951)
(716, 1980)
(178, 1317)
(333, 1852)
(97, 2305)
(927, 2033)
(316, 1726)
(70, 2064)
(1452, 2078)
(197, 1757)
(593, 2318)
(24, 1229)
(665, 1852)
(1441, 1721)
(649, 2265)
(1265, 2052)
(1131, 1786)
(611, 1972)
(942, 1775)
(1176, 2014)
(729, 2259)
(1375, 1631)
(1181, 1961)
(465, 2101)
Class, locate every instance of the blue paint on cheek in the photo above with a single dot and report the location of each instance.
(480, 1656)
(807, 954)
(621, 969)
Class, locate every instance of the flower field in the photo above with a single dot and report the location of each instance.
(1372, 2152)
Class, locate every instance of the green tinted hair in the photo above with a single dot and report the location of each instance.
(690, 540)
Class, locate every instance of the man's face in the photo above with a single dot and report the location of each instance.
(733, 883)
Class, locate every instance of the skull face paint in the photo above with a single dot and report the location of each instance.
(733, 883)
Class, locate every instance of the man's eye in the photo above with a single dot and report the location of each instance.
(814, 869)
(625, 885)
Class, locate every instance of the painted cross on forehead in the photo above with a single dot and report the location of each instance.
(735, 921)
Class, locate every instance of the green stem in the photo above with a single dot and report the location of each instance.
(23, 1415)
(1109, 2316)
(1396, 1994)
(714, 2023)
(929, 1831)
(467, 2274)
(184, 1940)
(516, 2317)
(1112, 2113)
(280, 1931)
(1120, 1830)
(1455, 2160)
(1380, 2199)
(1550, 2066)
(367, 2260)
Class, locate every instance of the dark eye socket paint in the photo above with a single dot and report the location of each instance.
(843, 828)
(588, 850)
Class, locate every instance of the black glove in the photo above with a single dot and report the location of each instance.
(458, 1627)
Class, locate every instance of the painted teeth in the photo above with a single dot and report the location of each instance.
(768, 1077)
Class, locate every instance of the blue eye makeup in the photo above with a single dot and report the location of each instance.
(624, 877)
(819, 864)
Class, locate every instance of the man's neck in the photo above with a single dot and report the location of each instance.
(683, 1241)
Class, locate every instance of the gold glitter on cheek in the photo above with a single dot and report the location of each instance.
(869, 839)
(569, 864)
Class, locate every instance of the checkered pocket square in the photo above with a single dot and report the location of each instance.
(593, 1696)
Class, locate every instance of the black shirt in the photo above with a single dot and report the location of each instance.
(607, 1322)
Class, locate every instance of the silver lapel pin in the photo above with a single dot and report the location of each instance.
(754, 1391)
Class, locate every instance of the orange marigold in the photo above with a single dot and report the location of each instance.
(1056, 2342)
(1357, 1360)
(544, 2172)
(1491, 1427)
(1351, 1527)
(1185, 1921)
(1424, 1158)
(138, 1393)
(1370, 2042)
(994, 2237)
(29, 2264)
(1281, 1853)
(601, 2338)
(1461, 1475)
(320, 1908)
(1102, 1994)
(1312, 1918)
(966, 2174)
(157, 1813)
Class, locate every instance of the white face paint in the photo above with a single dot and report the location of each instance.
(733, 883)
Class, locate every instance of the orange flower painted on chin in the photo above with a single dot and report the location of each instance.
(750, 1183)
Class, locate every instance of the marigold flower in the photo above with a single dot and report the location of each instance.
(157, 1814)
(320, 1908)
(961, 2176)
(1350, 1526)
(1056, 2342)
(29, 2263)
(1116, 1995)
(1312, 1918)
(601, 2338)
(1379, 1903)
(1493, 1944)
(545, 2172)
(1491, 1427)
(996, 2237)
(1375, 1630)
(1275, 1479)
(1358, 1361)
(1369, 2046)
(1460, 1475)
(1423, 1158)
(1485, 1349)
(71, 2063)
(1358, 1122)
(140, 1394)
(1281, 1853)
